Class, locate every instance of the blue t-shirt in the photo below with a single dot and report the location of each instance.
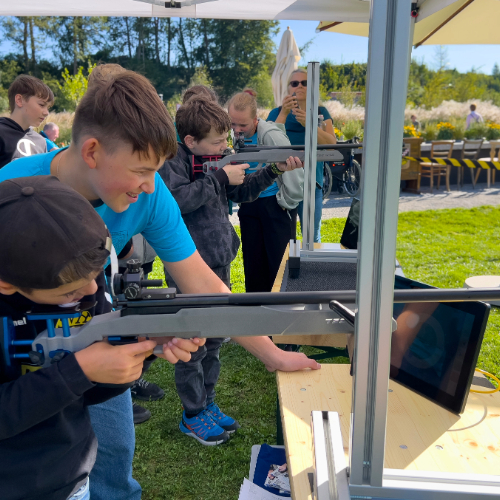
(273, 189)
(156, 216)
(296, 133)
(50, 144)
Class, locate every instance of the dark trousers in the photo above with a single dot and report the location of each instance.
(266, 230)
(196, 379)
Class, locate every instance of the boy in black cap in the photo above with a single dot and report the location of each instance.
(52, 246)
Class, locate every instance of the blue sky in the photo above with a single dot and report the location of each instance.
(346, 48)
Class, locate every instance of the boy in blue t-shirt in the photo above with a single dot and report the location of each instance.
(114, 165)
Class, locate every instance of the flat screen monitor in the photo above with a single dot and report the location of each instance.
(436, 345)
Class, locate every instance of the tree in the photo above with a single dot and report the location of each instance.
(75, 86)
(27, 33)
(76, 37)
(441, 57)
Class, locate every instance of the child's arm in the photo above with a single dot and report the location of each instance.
(191, 195)
(258, 181)
(35, 397)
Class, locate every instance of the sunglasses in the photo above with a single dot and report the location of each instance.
(295, 83)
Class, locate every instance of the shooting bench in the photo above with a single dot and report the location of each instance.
(420, 434)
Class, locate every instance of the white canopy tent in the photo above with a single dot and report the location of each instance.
(312, 10)
(439, 22)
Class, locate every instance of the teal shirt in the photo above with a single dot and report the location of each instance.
(296, 133)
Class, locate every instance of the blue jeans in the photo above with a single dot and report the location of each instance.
(318, 207)
(82, 493)
(111, 476)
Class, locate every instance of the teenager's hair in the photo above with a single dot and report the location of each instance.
(126, 109)
(83, 267)
(244, 100)
(473, 107)
(29, 86)
(198, 116)
(104, 72)
(199, 91)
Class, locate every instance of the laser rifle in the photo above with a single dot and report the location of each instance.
(251, 153)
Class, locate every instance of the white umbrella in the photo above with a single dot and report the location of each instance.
(440, 22)
(287, 60)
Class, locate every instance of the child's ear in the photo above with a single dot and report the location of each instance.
(7, 288)
(19, 100)
(189, 141)
(88, 151)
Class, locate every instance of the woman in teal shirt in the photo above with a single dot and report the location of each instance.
(293, 115)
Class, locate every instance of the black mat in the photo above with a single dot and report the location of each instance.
(321, 276)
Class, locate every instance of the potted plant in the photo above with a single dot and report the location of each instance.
(411, 131)
(445, 131)
(492, 131)
(477, 131)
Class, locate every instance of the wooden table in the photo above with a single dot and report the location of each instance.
(421, 435)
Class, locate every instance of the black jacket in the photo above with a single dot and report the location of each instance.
(17, 143)
(202, 199)
(47, 445)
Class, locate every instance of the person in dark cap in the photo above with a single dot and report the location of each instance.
(53, 245)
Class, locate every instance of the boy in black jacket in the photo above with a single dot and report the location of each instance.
(203, 127)
(53, 244)
(29, 102)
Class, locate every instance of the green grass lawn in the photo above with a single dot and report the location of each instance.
(441, 248)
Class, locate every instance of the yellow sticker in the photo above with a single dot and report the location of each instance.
(29, 368)
(85, 317)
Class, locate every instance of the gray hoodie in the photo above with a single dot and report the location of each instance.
(290, 184)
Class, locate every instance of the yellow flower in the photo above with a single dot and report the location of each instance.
(445, 125)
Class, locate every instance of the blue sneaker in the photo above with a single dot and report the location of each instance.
(203, 429)
(227, 423)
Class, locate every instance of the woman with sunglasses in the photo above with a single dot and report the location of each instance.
(292, 113)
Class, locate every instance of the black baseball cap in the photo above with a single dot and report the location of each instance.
(44, 225)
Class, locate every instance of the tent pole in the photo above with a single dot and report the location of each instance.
(310, 142)
(391, 31)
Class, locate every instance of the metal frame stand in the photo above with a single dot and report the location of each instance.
(391, 34)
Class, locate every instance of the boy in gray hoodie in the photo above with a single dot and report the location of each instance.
(203, 128)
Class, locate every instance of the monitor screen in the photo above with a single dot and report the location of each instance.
(435, 348)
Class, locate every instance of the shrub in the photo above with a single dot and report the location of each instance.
(459, 132)
(492, 131)
(430, 132)
(445, 131)
(476, 132)
(352, 129)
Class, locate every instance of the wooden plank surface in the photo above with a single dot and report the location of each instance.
(421, 435)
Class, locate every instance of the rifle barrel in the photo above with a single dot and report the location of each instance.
(289, 298)
(247, 149)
